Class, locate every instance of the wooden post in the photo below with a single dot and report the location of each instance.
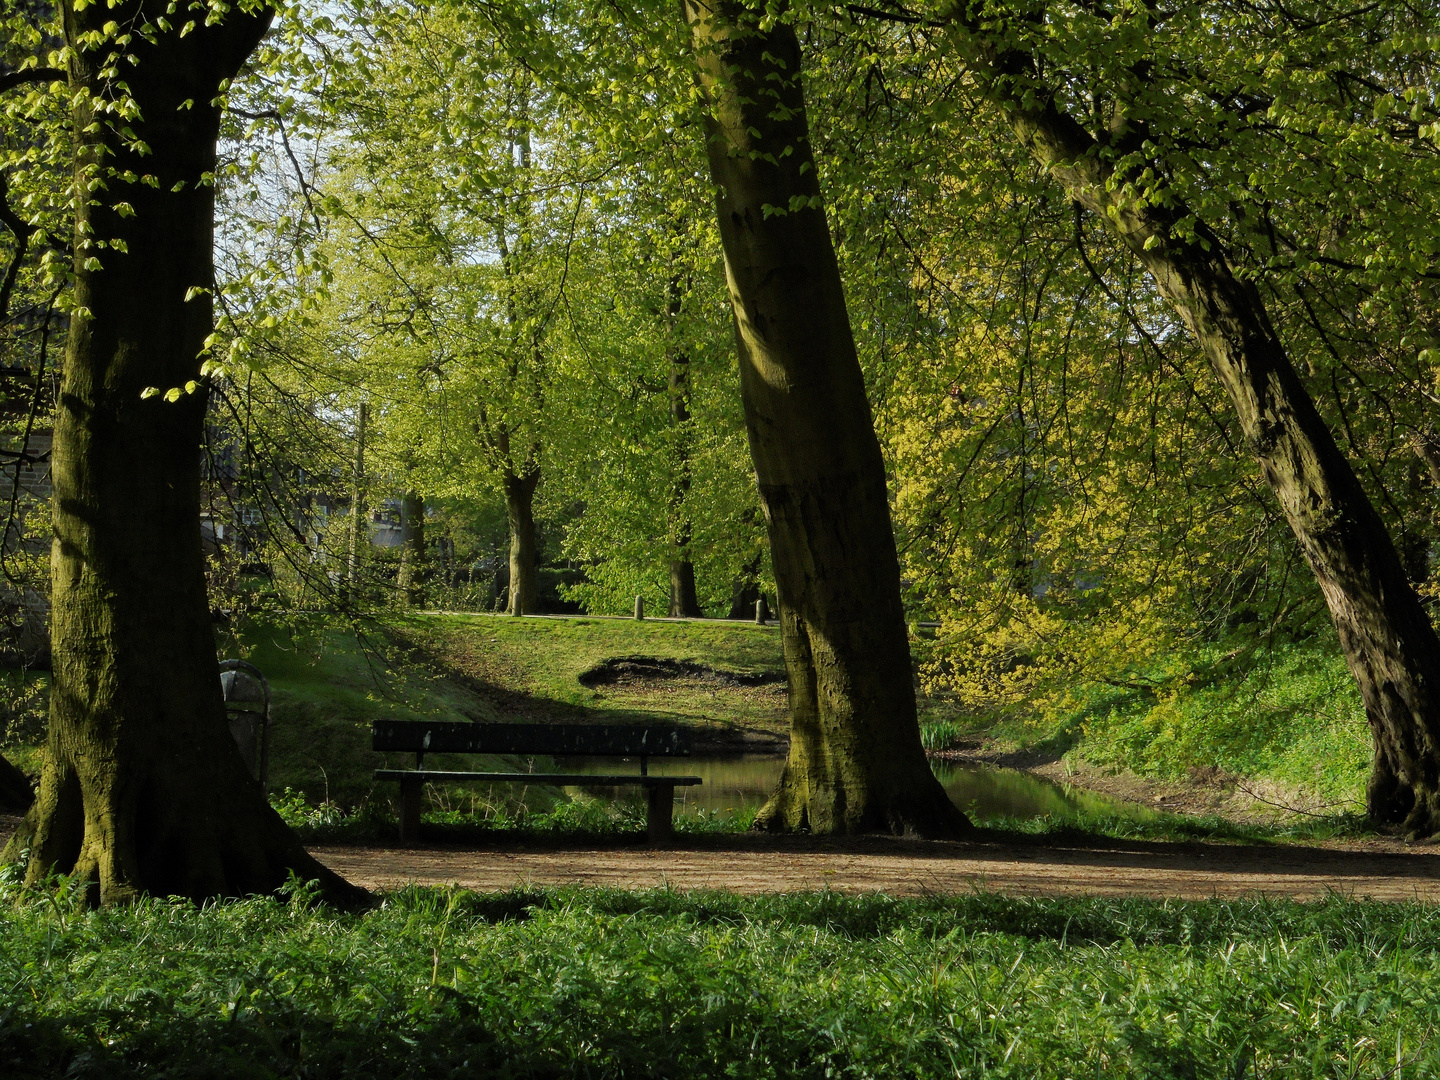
(659, 811)
(639, 607)
(410, 792)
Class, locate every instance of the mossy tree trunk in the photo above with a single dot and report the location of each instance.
(855, 762)
(1385, 632)
(143, 790)
(520, 509)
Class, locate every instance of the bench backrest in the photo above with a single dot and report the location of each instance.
(556, 740)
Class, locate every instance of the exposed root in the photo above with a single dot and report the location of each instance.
(926, 811)
(192, 842)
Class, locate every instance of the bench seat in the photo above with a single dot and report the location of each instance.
(568, 740)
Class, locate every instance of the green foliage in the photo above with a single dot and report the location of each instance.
(24, 706)
(942, 734)
(607, 984)
(462, 815)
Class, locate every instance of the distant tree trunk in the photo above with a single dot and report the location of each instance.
(143, 790)
(411, 581)
(359, 515)
(1387, 637)
(684, 603)
(745, 590)
(520, 509)
(16, 794)
(855, 762)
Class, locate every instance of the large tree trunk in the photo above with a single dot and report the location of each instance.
(1387, 637)
(684, 603)
(855, 760)
(520, 509)
(143, 790)
(411, 579)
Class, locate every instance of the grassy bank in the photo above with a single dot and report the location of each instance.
(1285, 719)
(603, 984)
(329, 685)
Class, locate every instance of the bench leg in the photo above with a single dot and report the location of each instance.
(410, 792)
(659, 824)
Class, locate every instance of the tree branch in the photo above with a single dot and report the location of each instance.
(12, 79)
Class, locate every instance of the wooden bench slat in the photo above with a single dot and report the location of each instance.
(462, 737)
(559, 779)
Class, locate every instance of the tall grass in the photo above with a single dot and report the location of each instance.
(608, 984)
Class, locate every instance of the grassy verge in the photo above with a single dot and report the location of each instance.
(609, 984)
(1286, 721)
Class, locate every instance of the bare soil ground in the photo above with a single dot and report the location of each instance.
(762, 864)
(750, 863)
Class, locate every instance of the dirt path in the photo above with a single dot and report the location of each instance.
(750, 864)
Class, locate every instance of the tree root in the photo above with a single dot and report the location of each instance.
(201, 842)
(924, 810)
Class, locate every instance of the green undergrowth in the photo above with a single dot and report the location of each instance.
(587, 819)
(580, 817)
(1181, 828)
(664, 984)
(1291, 714)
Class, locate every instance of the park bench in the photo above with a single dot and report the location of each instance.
(552, 740)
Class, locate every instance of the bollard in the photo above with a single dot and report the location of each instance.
(761, 613)
(639, 607)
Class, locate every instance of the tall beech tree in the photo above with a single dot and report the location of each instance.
(1110, 161)
(684, 603)
(143, 790)
(855, 761)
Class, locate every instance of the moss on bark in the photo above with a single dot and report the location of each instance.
(143, 790)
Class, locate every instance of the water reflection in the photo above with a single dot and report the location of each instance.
(982, 791)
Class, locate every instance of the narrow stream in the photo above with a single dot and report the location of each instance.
(982, 791)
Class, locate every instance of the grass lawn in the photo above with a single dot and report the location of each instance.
(664, 984)
(540, 662)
